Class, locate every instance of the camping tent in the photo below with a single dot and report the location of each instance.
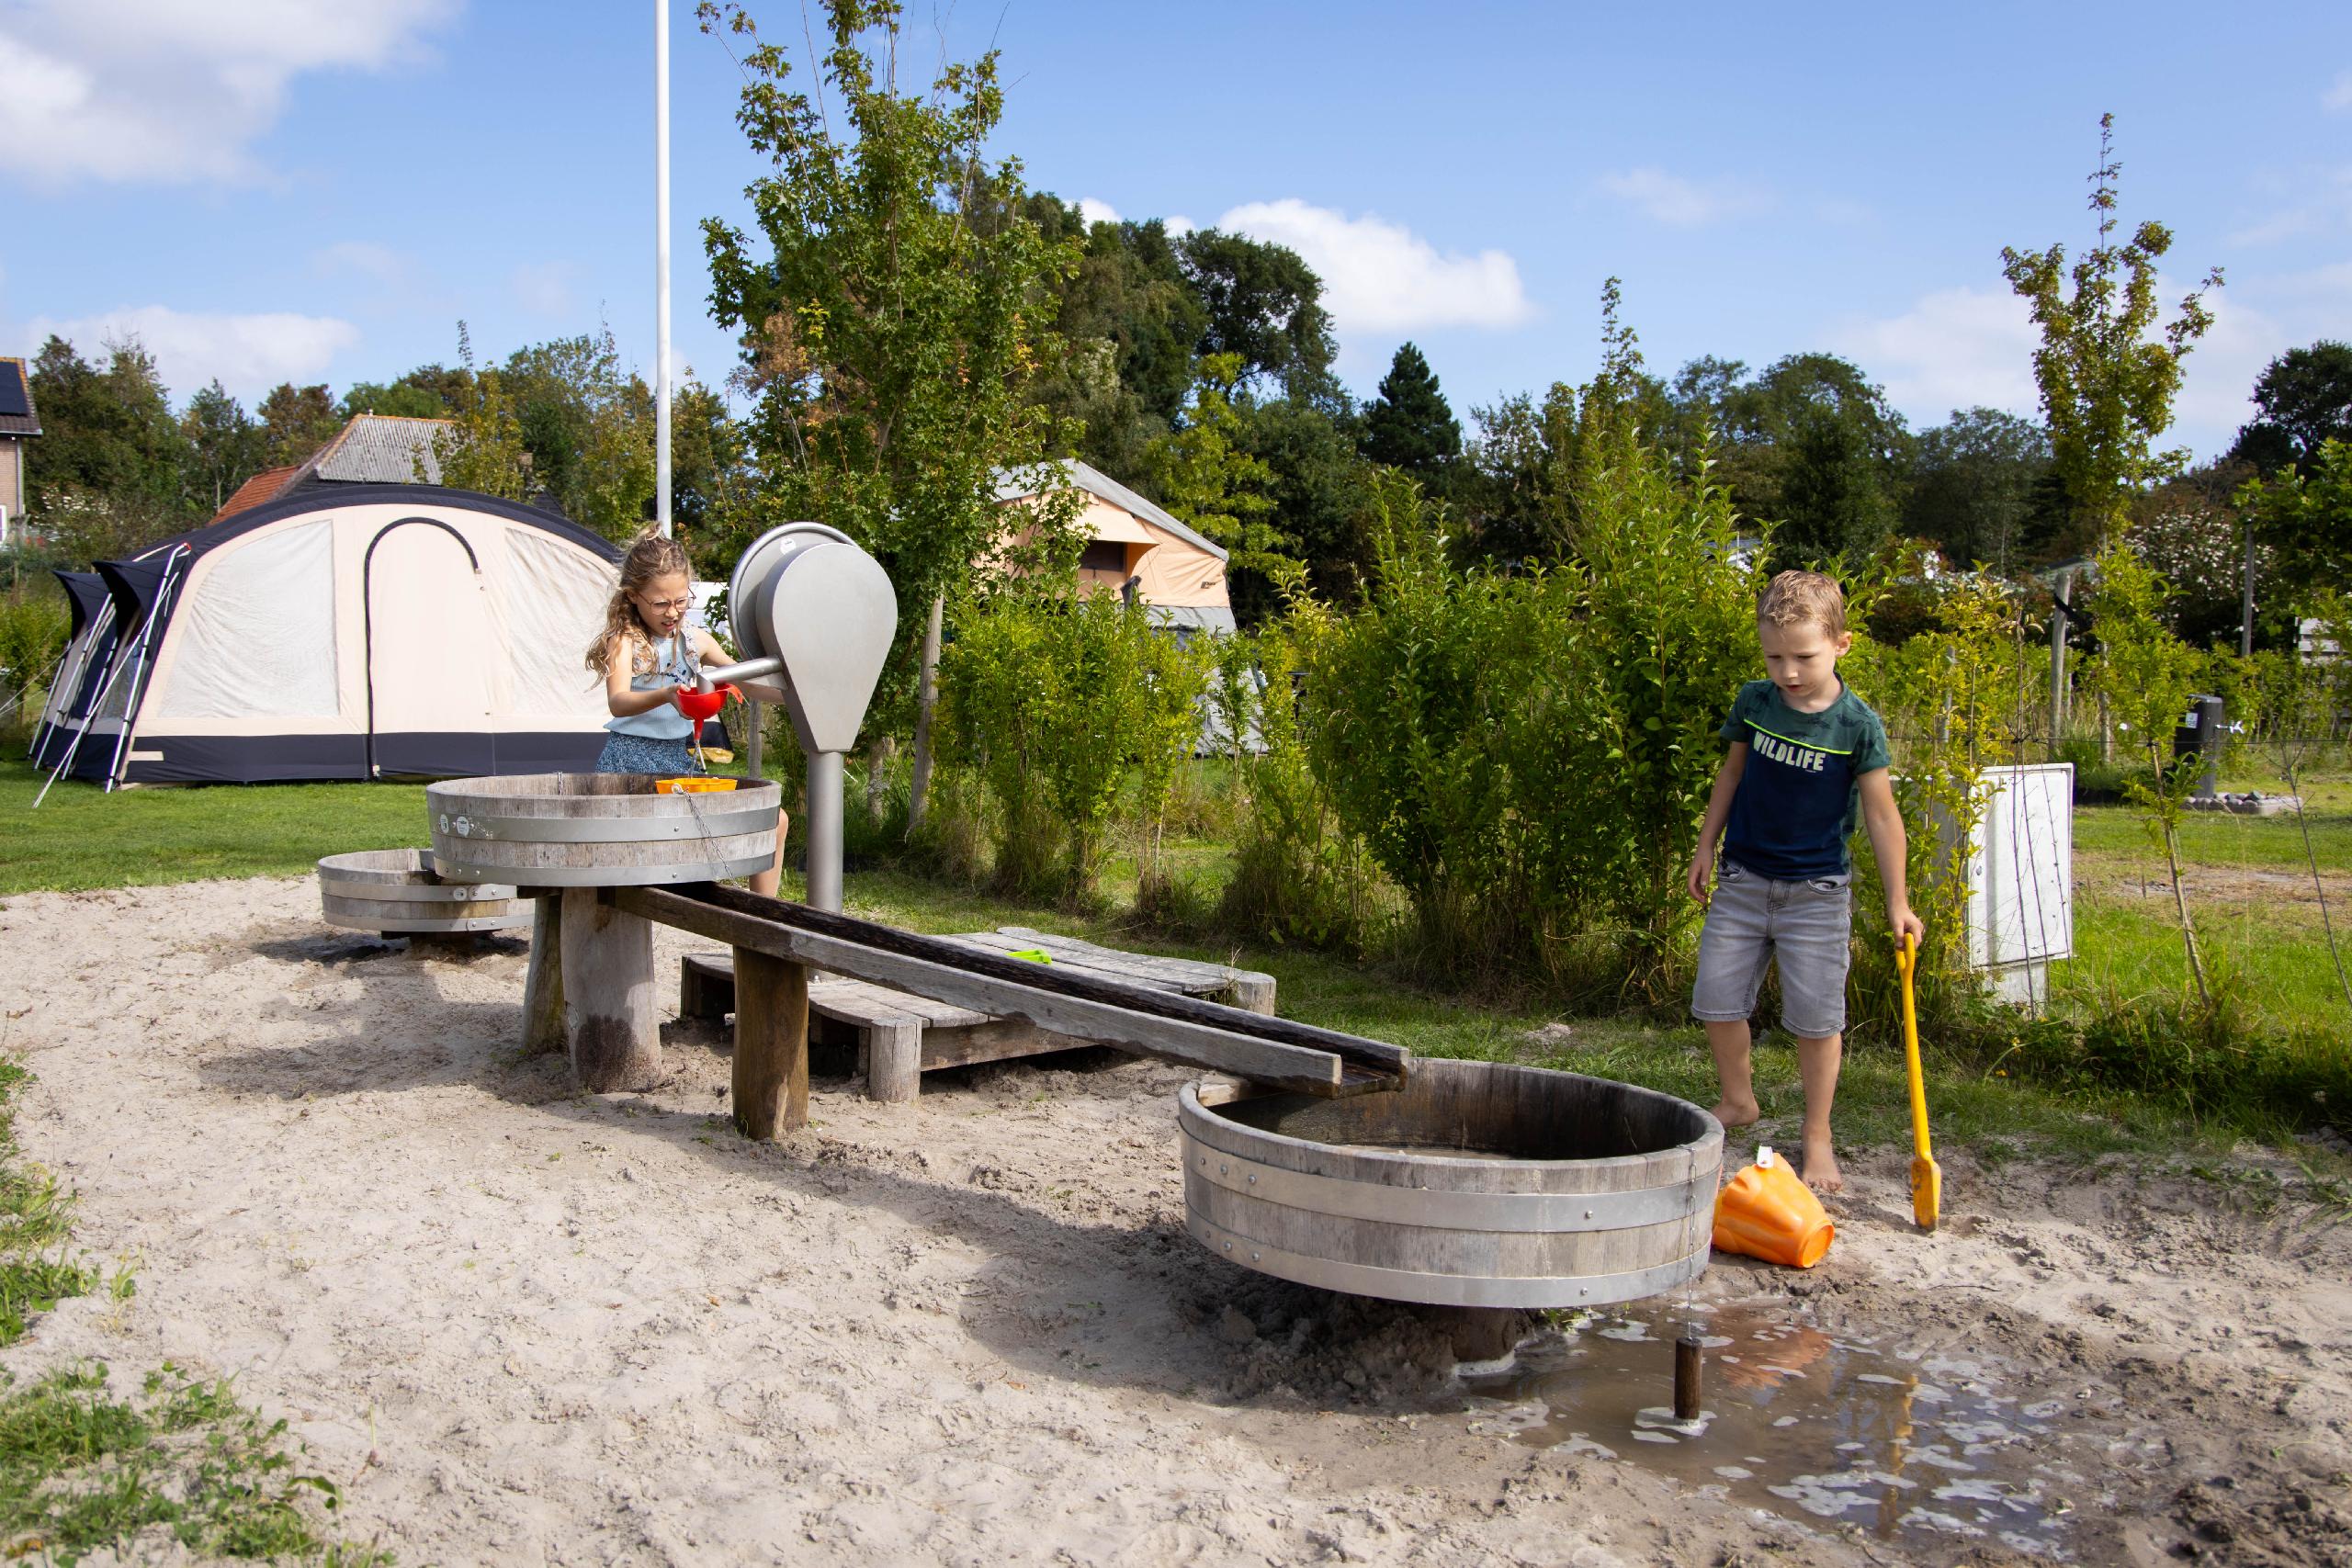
(1178, 572)
(343, 633)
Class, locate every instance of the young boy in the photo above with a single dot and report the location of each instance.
(1806, 755)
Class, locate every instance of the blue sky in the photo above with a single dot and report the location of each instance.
(319, 189)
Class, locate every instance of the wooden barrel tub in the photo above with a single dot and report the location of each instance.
(396, 890)
(1477, 1184)
(555, 830)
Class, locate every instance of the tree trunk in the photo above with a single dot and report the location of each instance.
(2180, 904)
(878, 771)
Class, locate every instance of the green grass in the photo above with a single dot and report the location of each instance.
(83, 1468)
(2215, 840)
(82, 838)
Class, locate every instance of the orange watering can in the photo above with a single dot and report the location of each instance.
(1765, 1212)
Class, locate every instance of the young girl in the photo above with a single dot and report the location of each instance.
(648, 654)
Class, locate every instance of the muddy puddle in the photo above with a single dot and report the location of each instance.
(1927, 1448)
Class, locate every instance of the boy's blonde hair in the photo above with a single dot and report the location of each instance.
(1795, 597)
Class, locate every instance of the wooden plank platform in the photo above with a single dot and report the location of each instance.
(889, 1029)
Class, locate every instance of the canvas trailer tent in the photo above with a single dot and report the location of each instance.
(348, 632)
(1176, 571)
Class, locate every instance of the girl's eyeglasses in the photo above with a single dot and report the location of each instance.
(681, 606)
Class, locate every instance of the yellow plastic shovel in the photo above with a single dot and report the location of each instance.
(1927, 1177)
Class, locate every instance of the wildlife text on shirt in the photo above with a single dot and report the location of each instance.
(1798, 800)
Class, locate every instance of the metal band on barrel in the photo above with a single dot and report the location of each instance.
(1449, 1290)
(465, 827)
(417, 892)
(463, 923)
(528, 878)
(1529, 1212)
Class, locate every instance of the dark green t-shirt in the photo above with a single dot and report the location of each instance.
(1798, 800)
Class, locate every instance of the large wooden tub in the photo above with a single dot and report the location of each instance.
(1477, 1184)
(597, 831)
(396, 890)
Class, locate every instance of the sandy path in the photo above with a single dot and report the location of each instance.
(528, 1326)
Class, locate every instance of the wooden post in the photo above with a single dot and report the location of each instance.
(1687, 1374)
(926, 698)
(894, 1059)
(610, 1019)
(543, 985)
(771, 1088)
(2059, 601)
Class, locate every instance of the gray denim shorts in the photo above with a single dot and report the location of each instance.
(1753, 919)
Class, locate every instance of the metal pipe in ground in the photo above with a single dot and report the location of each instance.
(825, 830)
(1688, 1372)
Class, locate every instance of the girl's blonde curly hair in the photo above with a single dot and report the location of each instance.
(650, 556)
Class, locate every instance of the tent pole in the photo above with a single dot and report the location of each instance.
(93, 633)
(138, 678)
(662, 263)
(97, 709)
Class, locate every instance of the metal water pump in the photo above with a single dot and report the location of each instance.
(813, 617)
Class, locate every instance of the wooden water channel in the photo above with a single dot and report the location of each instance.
(587, 971)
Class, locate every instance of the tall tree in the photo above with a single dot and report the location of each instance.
(1266, 304)
(1811, 444)
(226, 445)
(297, 421)
(2109, 370)
(1204, 474)
(106, 435)
(1128, 325)
(588, 425)
(1409, 426)
(2306, 521)
(890, 340)
(1973, 486)
(2304, 399)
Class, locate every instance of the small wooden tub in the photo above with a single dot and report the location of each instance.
(1477, 1184)
(553, 830)
(396, 890)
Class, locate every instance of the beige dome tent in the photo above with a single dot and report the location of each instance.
(344, 632)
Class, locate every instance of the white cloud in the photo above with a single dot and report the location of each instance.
(1955, 349)
(1178, 225)
(250, 353)
(1380, 277)
(1685, 204)
(1960, 347)
(544, 287)
(1095, 211)
(2322, 201)
(2338, 96)
(173, 92)
(361, 258)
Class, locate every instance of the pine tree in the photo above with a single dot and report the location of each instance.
(1409, 426)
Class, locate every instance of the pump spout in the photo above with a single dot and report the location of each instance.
(714, 677)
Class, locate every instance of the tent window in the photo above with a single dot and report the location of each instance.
(1104, 555)
(254, 635)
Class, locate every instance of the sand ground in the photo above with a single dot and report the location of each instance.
(524, 1324)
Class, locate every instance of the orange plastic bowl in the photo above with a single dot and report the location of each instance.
(692, 786)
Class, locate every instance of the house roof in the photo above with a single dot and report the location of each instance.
(377, 448)
(18, 416)
(263, 486)
(1011, 486)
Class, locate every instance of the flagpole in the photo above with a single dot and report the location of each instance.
(662, 262)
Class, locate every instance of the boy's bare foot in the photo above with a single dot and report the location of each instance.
(1821, 1172)
(1737, 1114)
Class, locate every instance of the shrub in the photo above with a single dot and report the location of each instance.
(1049, 696)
